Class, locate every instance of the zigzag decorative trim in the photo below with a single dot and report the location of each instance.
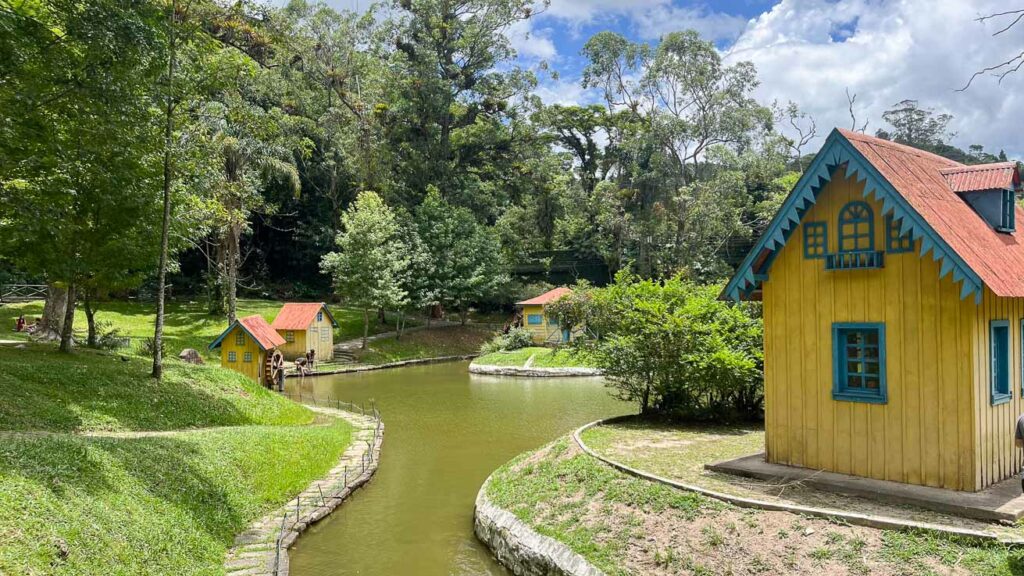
(836, 152)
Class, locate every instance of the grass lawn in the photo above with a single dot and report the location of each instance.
(625, 525)
(188, 325)
(169, 504)
(429, 343)
(542, 358)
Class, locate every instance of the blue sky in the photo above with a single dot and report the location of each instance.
(812, 52)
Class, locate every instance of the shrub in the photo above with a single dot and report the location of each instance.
(675, 348)
(147, 347)
(515, 339)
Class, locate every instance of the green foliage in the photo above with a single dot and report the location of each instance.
(514, 339)
(675, 348)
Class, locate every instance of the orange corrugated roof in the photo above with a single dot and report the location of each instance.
(545, 298)
(299, 315)
(997, 176)
(922, 179)
(264, 335)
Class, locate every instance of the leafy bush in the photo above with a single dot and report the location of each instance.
(109, 337)
(515, 339)
(674, 347)
(147, 347)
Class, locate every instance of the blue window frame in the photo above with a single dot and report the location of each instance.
(1007, 222)
(856, 227)
(247, 357)
(320, 316)
(815, 239)
(535, 319)
(240, 338)
(999, 359)
(895, 242)
(232, 357)
(858, 359)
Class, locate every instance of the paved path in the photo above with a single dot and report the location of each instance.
(262, 549)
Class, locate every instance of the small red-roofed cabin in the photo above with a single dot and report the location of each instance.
(305, 327)
(545, 329)
(892, 282)
(247, 346)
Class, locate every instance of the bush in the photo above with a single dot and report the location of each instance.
(147, 347)
(515, 339)
(110, 338)
(675, 348)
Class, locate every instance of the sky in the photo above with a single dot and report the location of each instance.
(810, 52)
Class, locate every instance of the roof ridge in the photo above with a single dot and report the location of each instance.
(1008, 165)
(850, 134)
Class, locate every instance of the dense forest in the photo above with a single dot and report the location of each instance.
(396, 158)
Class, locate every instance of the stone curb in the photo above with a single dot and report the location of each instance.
(255, 551)
(538, 372)
(879, 522)
(399, 364)
(520, 548)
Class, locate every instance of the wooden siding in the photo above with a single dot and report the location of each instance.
(925, 433)
(252, 369)
(312, 337)
(543, 333)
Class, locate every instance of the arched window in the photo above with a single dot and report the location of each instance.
(856, 227)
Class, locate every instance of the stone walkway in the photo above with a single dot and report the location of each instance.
(262, 549)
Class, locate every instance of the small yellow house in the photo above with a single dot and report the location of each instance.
(247, 346)
(305, 327)
(545, 330)
(892, 283)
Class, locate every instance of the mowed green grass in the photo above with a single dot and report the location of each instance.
(427, 343)
(187, 324)
(73, 504)
(542, 358)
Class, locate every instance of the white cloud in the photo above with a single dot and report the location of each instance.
(916, 49)
(530, 42)
(649, 19)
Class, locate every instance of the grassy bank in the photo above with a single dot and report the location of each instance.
(542, 358)
(188, 324)
(163, 503)
(625, 525)
(427, 343)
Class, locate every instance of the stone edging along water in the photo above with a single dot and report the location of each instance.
(520, 548)
(533, 372)
(399, 364)
(871, 521)
(262, 549)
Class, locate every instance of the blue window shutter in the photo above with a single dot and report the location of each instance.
(815, 240)
(535, 319)
(999, 360)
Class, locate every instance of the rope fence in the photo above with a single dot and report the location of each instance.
(340, 488)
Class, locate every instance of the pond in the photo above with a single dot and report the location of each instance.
(447, 430)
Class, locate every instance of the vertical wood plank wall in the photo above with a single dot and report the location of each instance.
(310, 338)
(250, 369)
(997, 457)
(293, 350)
(927, 432)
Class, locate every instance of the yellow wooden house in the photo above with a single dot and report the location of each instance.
(545, 329)
(247, 347)
(305, 327)
(892, 283)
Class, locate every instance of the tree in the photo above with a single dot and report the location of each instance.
(674, 348)
(916, 126)
(368, 266)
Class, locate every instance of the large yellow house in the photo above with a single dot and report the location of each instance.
(893, 288)
(247, 347)
(305, 327)
(545, 329)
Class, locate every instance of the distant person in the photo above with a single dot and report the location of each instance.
(35, 326)
(19, 325)
(311, 359)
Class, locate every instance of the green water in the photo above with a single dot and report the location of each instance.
(447, 430)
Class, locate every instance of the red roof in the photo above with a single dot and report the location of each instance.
(298, 315)
(264, 335)
(545, 298)
(923, 179)
(998, 176)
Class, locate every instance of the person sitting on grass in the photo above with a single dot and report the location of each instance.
(19, 325)
(35, 326)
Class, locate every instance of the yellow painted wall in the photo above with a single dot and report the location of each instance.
(934, 430)
(319, 336)
(253, 369)
(543, 332)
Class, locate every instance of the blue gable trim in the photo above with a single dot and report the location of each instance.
(836, 152)
(225, 333)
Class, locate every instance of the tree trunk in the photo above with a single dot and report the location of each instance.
(231, 262)
(165, 225)
(400, 325)
(66, 334)
(366, 326)
(463, 315)
(53, 311)
(90, 317)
